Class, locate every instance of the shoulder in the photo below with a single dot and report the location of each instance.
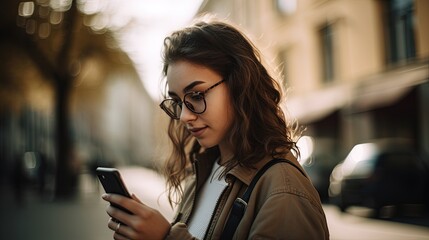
(289, 179)
(288, 196)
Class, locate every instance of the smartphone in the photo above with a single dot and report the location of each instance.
(112, 182)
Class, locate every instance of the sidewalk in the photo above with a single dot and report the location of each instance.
(82, 218)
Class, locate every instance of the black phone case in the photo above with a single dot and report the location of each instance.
(111, 181)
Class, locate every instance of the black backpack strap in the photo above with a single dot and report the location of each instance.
(240, 204)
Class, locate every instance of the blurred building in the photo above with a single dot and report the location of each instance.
(354, 70)
(109, 112)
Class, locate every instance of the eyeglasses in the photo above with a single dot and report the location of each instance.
(194, 101)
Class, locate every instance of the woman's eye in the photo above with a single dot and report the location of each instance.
(197, 96)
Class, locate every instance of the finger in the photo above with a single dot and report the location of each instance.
(113, 224)
(121, 231)
(114, 198)
(133, 204)
(118, 215)
(118, 236)
(116, 226)
(133, 196)
(119, 201)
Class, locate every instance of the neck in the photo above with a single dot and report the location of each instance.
(225, 154)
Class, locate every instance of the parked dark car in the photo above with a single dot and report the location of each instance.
(378, 174)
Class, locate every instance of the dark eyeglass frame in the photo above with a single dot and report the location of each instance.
(164, 107)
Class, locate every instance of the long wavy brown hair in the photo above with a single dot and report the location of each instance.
(259, 128)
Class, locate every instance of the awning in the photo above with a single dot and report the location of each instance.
(311, 107)
(385, 89)
(372, 92)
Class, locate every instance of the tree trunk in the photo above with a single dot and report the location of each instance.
(66, 170)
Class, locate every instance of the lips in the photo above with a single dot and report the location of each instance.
(196, 132)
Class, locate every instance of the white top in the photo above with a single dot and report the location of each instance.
(207, 201)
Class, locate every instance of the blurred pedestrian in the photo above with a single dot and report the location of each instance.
(226, 125)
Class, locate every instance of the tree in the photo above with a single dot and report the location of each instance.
(48, 35)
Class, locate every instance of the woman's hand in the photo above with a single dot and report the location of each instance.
(144, 223)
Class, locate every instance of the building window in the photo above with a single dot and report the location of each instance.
(327, 51)
(400, 31)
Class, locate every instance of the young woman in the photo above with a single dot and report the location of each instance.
(226, 124)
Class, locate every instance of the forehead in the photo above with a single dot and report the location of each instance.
(182, 73)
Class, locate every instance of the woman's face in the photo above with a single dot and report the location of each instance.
(211, 127)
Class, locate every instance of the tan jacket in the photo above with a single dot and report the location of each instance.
(283, 204)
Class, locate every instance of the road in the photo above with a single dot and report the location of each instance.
(356, 225)
(84, 217)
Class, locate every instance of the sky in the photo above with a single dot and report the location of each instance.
(140, 27)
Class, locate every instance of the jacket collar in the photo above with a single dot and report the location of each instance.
(246, 175)
(205, 161)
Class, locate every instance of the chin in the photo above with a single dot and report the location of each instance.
(206, 144)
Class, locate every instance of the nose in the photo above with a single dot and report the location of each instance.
(187, 115)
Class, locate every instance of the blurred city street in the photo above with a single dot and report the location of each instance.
(84, 217)
(81, 82)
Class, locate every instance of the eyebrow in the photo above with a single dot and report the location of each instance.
(187, 88)
(191, 85)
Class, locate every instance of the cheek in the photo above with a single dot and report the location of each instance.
(222, 113)
(220, 118)
(226, 115)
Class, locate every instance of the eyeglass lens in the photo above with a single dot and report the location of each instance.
(172, 108)
(194, 101)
